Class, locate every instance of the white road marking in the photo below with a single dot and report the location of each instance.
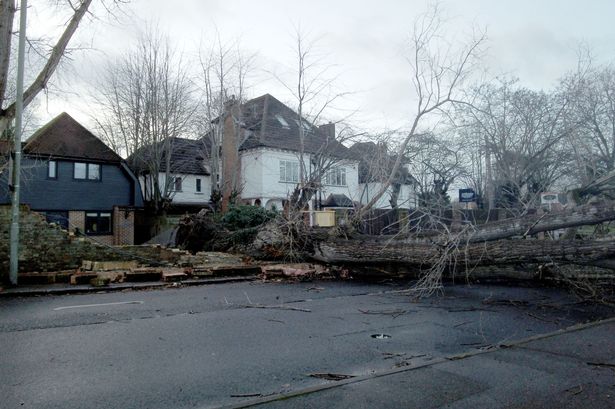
(97, 305)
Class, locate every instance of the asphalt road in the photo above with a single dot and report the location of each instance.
(214, 345)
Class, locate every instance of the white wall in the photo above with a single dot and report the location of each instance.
(260, 170)
(407, 196)
(188, 194)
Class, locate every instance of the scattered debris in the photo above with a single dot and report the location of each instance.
(331, 376)
(247, 395)
(275, 307)
(575, 390)
(601, 364)
(393, 313)
(381, 336)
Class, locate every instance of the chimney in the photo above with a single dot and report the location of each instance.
(328, 130)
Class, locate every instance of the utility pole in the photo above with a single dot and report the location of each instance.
(14, 245)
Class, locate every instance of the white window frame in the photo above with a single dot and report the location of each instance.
(88, 169)
(52, 169)
(335, 177)
(289, 171)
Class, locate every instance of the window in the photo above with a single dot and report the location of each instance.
(80, 171)
(282, 121)
(289, 171)
(89, 171)
(52, 169)
(198, 185)
(97, 223)
(336, 177)
(93, 171)
(177, 184)
(304, 124)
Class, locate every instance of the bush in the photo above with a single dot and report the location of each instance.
(244, 216)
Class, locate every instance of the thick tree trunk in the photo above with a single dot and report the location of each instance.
(586, 215)
(475, 254)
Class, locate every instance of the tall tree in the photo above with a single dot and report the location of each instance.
(312, 86)
(524, 132)
(438, 72)
(146, 100)
(225, 69)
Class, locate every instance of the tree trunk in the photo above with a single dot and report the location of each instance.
(424, 255)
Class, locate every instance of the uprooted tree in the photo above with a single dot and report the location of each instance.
(433, 244)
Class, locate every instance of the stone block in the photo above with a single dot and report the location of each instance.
(170, 276)
(114, 265)
(82, 278)
(100, 282)
(235, 270)
(143, 274)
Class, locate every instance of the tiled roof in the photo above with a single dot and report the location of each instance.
(65, 137)
(188, 156)
(272, 124)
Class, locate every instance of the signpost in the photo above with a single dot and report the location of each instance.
(467, 196)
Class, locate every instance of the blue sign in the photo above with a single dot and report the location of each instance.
(467, 195)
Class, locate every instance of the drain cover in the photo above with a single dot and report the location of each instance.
(381, 336)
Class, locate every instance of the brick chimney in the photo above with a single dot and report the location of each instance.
(328, 130)
(231, 172)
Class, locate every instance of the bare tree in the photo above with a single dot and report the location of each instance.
(225, 69)
(591, 91)
(146, 100)
(79, 9)
(314, 95)
(524, 133)
(437, 74)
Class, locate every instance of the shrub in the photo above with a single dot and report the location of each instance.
(244, 216)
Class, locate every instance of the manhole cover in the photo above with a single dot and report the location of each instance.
(381, 336)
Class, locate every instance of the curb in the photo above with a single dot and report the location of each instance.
(463, 355)
(29, 292)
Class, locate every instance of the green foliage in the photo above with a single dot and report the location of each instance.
(244, 216)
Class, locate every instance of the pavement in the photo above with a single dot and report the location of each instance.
(302, 345)
(571, 368)
(65, 288)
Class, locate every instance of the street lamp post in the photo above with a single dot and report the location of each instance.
(14, 240)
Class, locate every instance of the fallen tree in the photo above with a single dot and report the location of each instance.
(432, 256)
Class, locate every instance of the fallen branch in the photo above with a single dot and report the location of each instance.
(275, 307)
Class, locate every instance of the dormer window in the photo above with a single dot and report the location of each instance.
(282, 121)
(303, 124)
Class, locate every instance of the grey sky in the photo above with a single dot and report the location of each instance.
(534, 40)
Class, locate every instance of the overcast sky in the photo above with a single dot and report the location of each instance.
(536, 41)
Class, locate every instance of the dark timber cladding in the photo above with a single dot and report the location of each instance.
(64, 142)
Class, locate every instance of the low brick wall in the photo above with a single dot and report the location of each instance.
(47, 247)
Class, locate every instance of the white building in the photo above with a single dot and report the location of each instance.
(272, 152)
(270, 157)
(187, 180)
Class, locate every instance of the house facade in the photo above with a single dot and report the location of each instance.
(273, 155)
(277, 150)
(76, 181)
(183, 174)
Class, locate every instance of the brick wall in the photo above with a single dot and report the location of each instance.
(47, 247)
(76, 220)
(123, 226)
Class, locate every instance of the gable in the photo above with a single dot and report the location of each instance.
(64, 137)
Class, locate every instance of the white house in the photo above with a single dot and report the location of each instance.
(271, 155)
(375, 164)
(183, 176)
